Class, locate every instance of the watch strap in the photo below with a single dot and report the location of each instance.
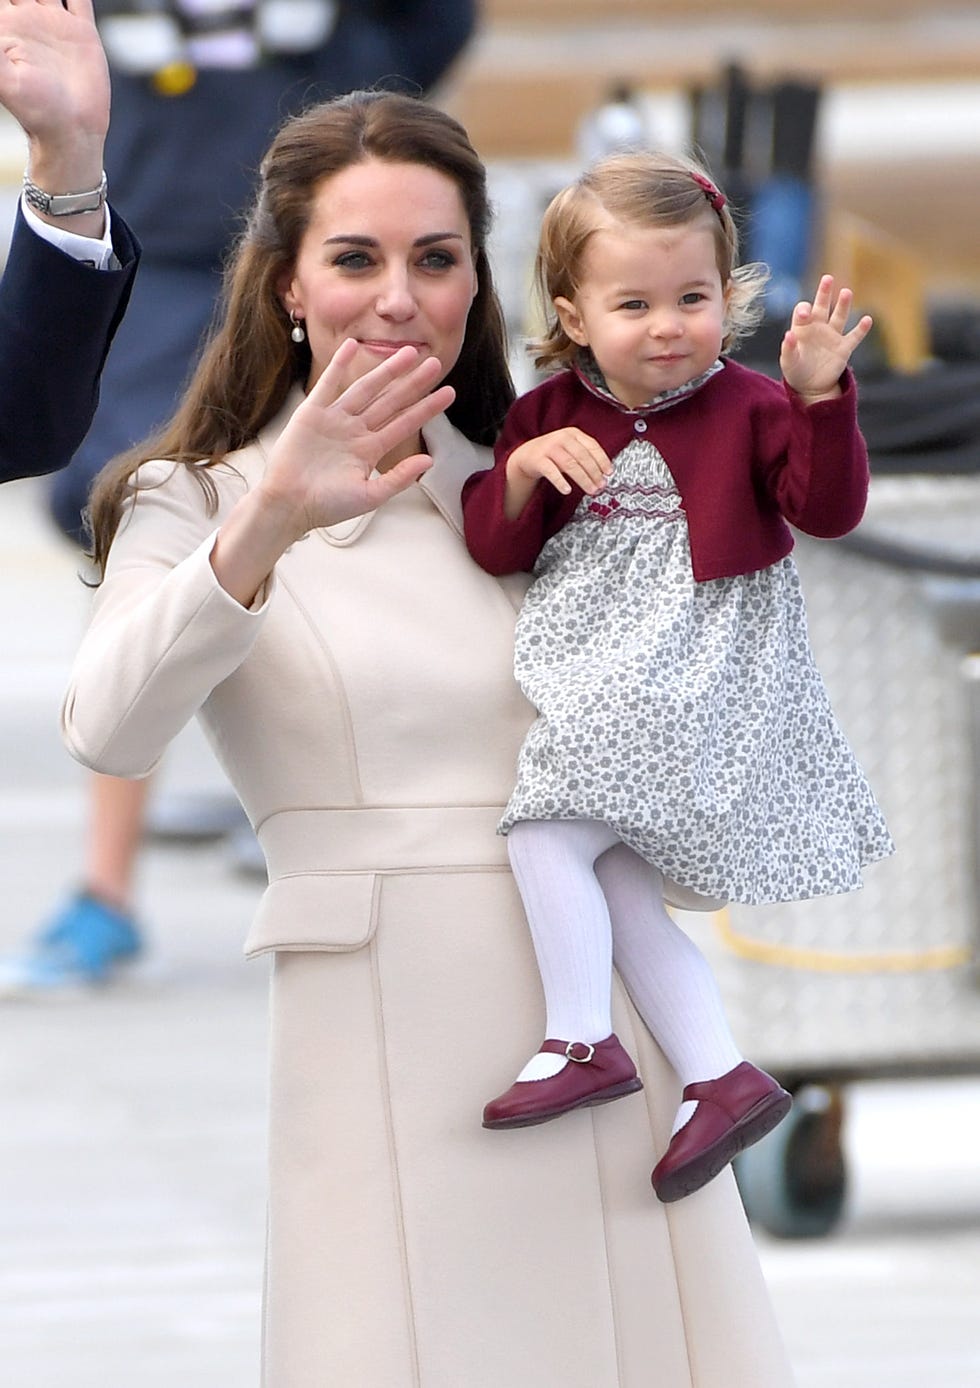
(64, 204)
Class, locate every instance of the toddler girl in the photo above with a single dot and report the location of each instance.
(685, 749)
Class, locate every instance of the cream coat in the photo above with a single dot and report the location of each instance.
(365, 711)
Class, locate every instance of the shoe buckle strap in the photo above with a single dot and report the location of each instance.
(581, 1052)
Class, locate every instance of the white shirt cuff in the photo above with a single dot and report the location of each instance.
(89, 250)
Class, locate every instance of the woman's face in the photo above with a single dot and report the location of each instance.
(387, 260)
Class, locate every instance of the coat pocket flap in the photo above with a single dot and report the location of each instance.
(317, 911)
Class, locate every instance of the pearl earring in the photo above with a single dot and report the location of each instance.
(298, 333)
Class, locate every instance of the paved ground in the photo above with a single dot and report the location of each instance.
(132, 1141)
(131, 1147)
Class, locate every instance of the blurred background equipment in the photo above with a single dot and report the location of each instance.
(618, 125)
(153, 37)
(759, 138)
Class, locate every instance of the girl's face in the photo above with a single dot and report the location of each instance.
(387, 260)
(651, 306)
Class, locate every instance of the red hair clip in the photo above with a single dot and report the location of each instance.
(714, 195)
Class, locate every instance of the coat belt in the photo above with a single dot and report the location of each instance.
(412, 839)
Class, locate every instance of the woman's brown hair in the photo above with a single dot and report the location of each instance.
(250, 363)
(647, 190)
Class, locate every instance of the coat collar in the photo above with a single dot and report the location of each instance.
(454, 459)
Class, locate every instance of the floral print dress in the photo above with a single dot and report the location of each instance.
(689, 716)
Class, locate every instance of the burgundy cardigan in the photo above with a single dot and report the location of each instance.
(745, 451)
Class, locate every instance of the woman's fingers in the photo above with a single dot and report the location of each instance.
(390, 402)
(381, 487)
(406, 367)
(413, 417)
(333, 385)
(393, 397)
(329, 385)
(383, 393)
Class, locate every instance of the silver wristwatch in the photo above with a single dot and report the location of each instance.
(64, 204)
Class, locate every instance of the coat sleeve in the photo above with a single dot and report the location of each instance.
(502, 546)
(57, 320)
(816, 466)
(163, 631)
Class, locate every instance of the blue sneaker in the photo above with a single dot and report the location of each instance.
(82, 947)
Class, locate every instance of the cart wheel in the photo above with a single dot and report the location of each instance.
(793, 1182)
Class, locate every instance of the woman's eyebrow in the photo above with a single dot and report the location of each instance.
(438, 236)
(354, 240)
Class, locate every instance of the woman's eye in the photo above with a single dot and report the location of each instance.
(352, 260)
(438, 260)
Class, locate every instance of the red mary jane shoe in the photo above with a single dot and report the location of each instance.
(596, 1075)
(732, 1113)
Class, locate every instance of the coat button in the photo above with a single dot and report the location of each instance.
(640, 426)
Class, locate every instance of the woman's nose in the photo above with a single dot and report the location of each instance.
(396, 299)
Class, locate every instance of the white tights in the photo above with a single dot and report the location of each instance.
(591, 901)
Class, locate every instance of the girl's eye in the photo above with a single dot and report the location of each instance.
(634, 304)
(695, 297)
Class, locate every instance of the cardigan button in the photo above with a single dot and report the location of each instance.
(640, 426)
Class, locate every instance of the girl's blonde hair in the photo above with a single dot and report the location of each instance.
(643, 189)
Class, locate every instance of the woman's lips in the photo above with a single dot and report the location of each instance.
(386, 349)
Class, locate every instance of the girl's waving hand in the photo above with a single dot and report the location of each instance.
(816, 349)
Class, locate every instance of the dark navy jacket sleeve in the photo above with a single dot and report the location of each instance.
(57, 320)
(411, 40)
